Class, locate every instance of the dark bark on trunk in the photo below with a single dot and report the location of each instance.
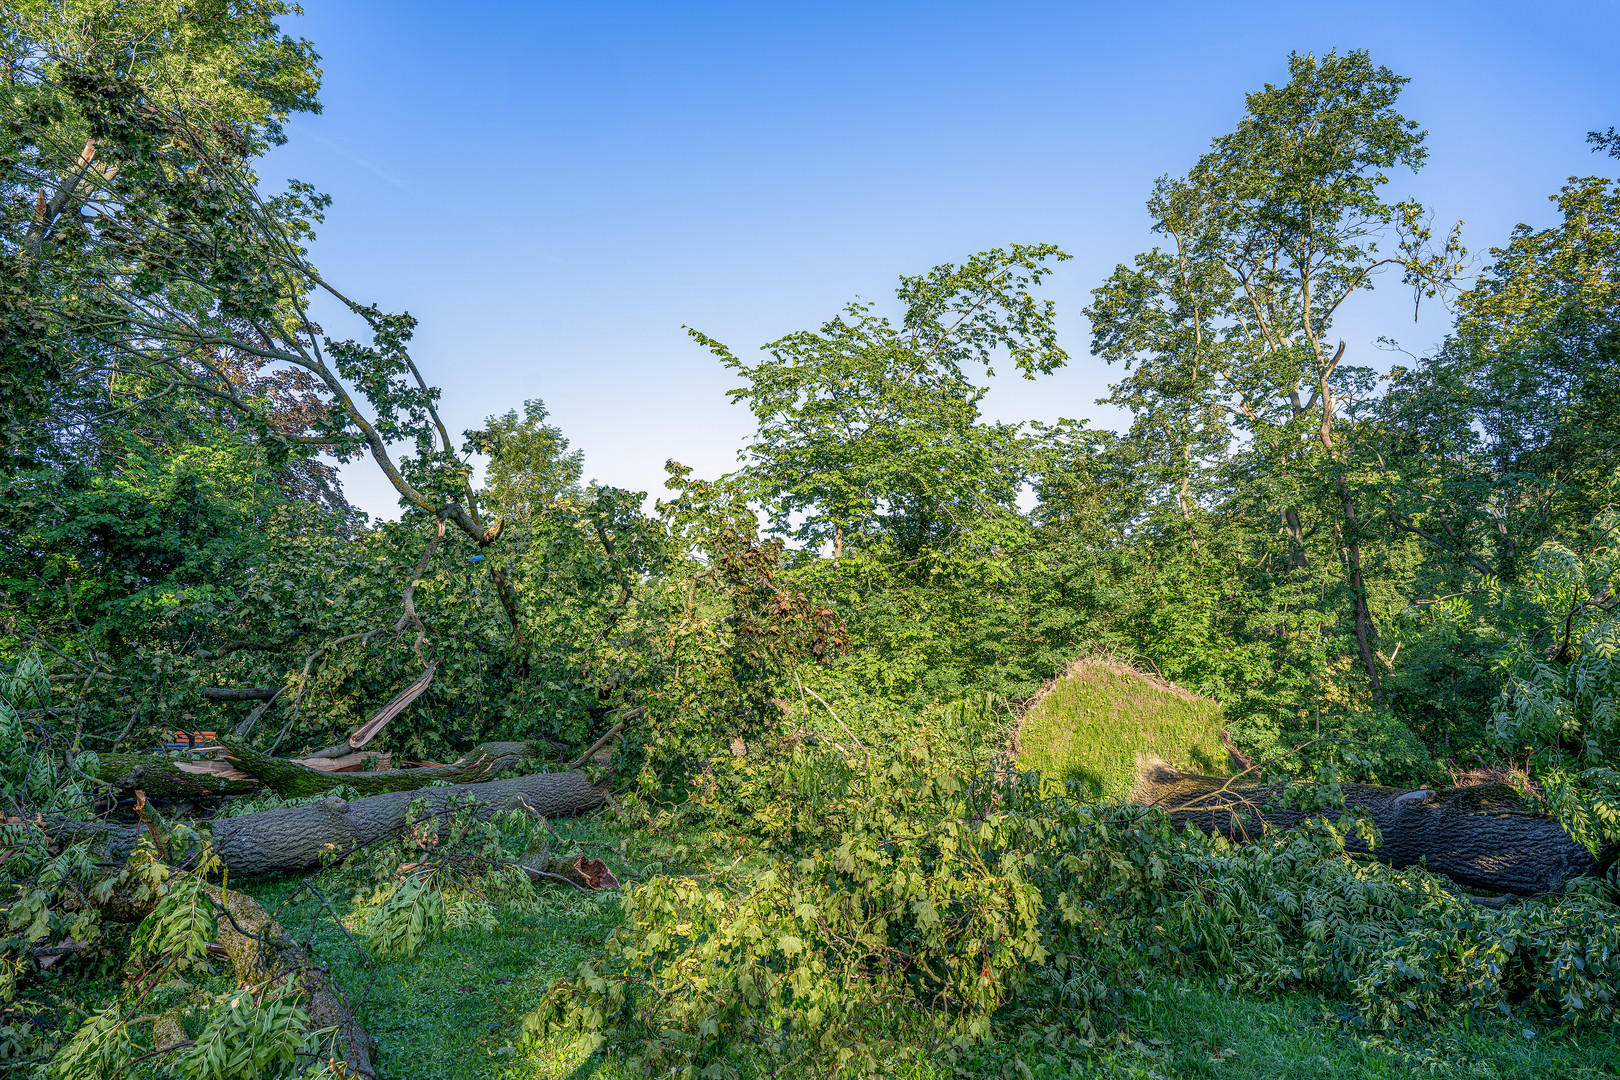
(1296, 540)
(506, 592)
(239, 693)
(1363, 616)
(1482, 836)
(265, 953)
(295, 838)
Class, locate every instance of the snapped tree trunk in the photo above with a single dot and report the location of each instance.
(248, 771)
(164, 777)
(292, 780)
(1482, 836)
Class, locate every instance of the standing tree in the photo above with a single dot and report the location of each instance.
(869, 434)
(156, 259)
(1228, 332)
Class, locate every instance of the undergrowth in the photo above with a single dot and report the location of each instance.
(896, 911)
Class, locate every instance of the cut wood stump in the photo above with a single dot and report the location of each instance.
(1483, 836)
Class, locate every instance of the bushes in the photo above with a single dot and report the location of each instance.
(931, 910)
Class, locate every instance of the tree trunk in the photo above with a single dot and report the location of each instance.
(295, 838)
(249, 771)
(1363, 615)
(291, 780)
(163, 778)
(1482, 836)
(261, 952)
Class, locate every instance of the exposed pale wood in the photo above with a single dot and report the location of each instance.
(368, 731)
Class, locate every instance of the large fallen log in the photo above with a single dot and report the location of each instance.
(248, 771)
(1483, 836)
(297, 837)
(164, 777)
(262, 953)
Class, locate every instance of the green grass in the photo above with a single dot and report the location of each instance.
(454, 1011)
(1094, 721)
(1194, 1031)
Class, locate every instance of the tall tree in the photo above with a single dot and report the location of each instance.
(869, 432)
(1227, 333)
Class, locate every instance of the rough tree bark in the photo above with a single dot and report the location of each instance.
(162, 777)
(1483, 836)
(261, 952)
(296, 837)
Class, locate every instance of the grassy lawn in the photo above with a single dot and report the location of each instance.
(1092, 723)
(454, 1010)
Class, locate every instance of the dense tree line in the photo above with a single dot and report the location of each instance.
(1328, 550)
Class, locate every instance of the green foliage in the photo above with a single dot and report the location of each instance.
(891, 922)
(869, 433)
(444, 875)
(1562, 668)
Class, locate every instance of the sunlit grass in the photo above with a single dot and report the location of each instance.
(1094, 721)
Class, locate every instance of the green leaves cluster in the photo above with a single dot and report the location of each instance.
(932, 911)
(444, 873)
(898, 936)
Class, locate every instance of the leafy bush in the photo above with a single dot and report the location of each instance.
(444, 873)
(1562, 668)
(923, 911)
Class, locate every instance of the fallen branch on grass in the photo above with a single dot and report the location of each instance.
(264, 956)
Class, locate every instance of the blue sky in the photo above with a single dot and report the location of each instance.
(554, 189)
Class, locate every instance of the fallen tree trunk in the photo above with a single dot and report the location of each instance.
(163, 777)
(291, 779)
(239, 693)
(248, 771)
(262, 954)
(296, 837)
(1483, 836)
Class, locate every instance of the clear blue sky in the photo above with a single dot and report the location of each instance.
(554, 189)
